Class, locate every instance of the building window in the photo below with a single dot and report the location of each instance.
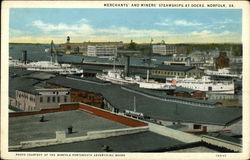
(53, 99)
(41, 99)
(65, 98)
(58, 99)
(48, 99)
(197, 126)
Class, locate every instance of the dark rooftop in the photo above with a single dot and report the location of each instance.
(175, 68)
(13, 72)
(26, 128)
(139, 142)
(40, 75)
(23, 84)
(225, 137)
(25, 80)
(159, 109)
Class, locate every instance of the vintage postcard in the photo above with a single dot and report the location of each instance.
(125, 80)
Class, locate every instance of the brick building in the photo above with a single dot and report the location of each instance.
(86, 97)
(222, 61)
(189, 93)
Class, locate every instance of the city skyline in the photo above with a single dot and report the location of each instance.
(140, 25)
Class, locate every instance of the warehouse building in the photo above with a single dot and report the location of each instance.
(163, 49)
(177, 70)
(28, 92)
(102, 51)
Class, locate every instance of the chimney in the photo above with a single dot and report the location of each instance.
(70, 129)
(24, 56)
(42, 118)
(105, 148)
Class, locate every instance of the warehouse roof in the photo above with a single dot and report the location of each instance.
(40, 75)
(81, 121)
(225, 137)
(139, 142)
(22, 84)
(16, 72)
(155, 108)
(25, 80)
(175, 68)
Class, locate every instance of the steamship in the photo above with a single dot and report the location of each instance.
(45, 66)
(50, 66)
(118, 77)
(205, 84)
(224, 72)
(115, 76)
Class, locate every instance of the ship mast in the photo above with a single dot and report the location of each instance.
(147, 75)
(53, 50)
(150, 52)
(114, 64)
(134, 104)
(51, 58)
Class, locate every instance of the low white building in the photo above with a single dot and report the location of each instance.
(102, 51)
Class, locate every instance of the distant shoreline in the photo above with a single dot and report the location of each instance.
(14, 43)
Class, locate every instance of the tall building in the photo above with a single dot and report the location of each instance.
(163, 49)
(102, 51)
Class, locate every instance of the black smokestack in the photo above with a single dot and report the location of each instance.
(24, 57)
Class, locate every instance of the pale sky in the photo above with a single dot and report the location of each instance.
(41, 25)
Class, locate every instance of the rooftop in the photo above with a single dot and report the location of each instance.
(155, 108)
(175, 68)
(13, 72)
(40, 75)
(225, 137)
(26, 128)
(23, 84)
(138, 142)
